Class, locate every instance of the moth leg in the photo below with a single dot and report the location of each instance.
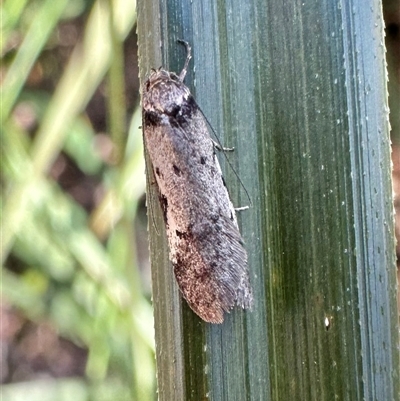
(240, 209)
(220, 148)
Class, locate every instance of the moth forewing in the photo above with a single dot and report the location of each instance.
(206, 248)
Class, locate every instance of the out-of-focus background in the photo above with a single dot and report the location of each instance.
(76, 316)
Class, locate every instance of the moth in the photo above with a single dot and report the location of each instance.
(206, 248)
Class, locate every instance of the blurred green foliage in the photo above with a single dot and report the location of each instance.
(64, 262)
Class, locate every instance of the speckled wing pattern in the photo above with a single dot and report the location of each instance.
(206, 248)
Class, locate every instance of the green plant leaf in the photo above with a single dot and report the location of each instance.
(299, 89)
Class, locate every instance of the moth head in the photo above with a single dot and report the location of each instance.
(164, 91)
(160, 77)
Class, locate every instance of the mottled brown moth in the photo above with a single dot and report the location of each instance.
(206, 248)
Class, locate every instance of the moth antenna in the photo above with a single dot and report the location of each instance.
(149, 198)
(150, 204)
(188, 57)
(181, 78)
(220, 147)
